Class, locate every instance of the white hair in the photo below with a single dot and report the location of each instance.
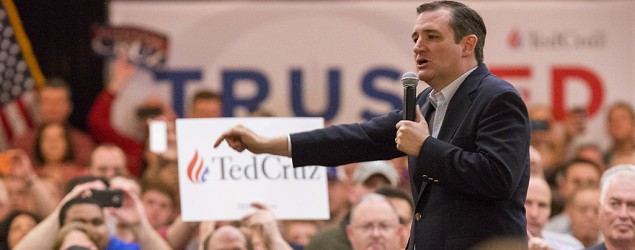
(610, 175)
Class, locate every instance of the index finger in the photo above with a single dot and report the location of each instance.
(258, 205)
(220, 139)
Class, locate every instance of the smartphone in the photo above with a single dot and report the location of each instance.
(158, 130)
(6, 161)
(108, 197)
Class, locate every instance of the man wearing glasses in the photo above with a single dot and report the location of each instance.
(375, 224)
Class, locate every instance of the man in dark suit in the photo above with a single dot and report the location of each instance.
(468, 148)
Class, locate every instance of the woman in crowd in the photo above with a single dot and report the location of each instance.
(54, 153)
(15, 226)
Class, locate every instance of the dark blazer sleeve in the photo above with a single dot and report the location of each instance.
(347, 143)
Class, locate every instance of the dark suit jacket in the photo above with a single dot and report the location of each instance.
(469, 184)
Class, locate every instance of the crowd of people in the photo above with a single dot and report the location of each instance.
(579, 195)
(47, 201)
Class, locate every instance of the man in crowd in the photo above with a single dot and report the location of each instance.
(582, 210)
(78, 206)
(374, 225)
(206, 104)
(53, 105)
(617, 208)
(576, 174)
(160, 205)
(227, 237)
(538, 207)
(108, 161)
(620, 120)
(367, 178)
(404, 207)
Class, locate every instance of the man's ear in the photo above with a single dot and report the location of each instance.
(401, 231)
(349, 233)
(469, 43)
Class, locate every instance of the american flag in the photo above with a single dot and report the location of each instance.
(19, 74)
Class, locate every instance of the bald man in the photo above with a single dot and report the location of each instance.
(538, 209)
(375, 224)
(108, 161)
(226, 237)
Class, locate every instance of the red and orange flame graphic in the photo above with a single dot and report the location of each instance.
(193, 170)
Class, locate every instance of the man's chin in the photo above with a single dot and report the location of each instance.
(376, 246)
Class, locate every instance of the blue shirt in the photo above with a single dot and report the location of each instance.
(117, 244)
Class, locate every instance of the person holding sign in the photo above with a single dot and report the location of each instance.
(468, 147)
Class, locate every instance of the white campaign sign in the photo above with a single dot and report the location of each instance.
(220, 183)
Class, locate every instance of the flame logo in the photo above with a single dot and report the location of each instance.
(514, 39)
(194, 170)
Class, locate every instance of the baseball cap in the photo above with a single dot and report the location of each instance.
(367, 169)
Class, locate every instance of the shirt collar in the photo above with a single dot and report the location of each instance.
(448, 92)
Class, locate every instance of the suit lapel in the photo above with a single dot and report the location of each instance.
(460, 104)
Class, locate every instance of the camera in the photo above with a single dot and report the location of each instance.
(108, 197)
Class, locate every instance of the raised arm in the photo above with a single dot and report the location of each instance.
(132, 213)
(42, 236)
(264, 218)
(240, 138)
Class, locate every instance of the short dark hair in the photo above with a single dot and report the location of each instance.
(568, 165)
(465, 21)
(623, 105)
(5, 226)
(395, 193)
(75, 201)
(163, 188)
(105, 146)
(205, 95)
(83, 179)
(56, 83)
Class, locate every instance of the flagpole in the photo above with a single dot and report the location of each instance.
(23, 41)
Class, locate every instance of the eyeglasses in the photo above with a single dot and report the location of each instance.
(370, 227)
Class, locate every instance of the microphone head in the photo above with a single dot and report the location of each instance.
(410, 79)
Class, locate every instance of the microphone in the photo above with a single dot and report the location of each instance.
(409, 81)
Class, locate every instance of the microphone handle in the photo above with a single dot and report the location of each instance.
(409, 103)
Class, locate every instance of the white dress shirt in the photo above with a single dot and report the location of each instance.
(440, 101)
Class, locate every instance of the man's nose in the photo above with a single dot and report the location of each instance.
(419, 47)
(623, 212)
